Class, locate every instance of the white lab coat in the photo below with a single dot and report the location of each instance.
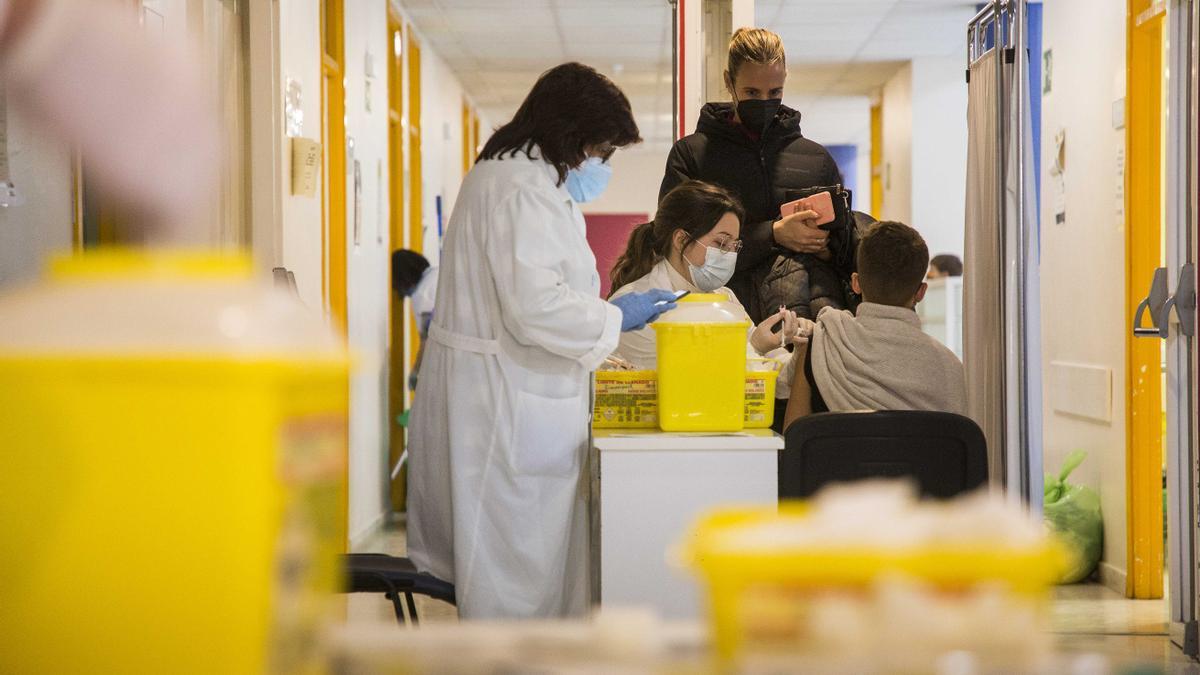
(498, 475)
(640, 347)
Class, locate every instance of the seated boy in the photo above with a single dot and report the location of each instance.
(879, 359)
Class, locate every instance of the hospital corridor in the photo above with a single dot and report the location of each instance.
(564, 337)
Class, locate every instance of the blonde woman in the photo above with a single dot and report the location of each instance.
(752, 146)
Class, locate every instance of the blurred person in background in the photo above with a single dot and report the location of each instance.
(414, 278)
(945, 265)
(134, 108)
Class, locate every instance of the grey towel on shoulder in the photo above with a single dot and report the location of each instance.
(881, 360)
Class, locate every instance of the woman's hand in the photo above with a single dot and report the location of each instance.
(799, 232)
(764, 339)
(804, 331)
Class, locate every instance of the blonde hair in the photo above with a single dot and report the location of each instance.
(754, 45)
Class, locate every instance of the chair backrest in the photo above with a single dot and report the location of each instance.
(945, 453)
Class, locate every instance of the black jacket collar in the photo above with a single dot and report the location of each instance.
(715, 123)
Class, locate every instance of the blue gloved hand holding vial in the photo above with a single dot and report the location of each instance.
(639, 309)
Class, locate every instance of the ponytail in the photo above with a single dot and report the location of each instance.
(692, 206)
(640, 256)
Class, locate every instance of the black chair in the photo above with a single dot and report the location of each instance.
(394, 577)
(945, 453)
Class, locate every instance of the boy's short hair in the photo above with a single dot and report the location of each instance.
(892, 262)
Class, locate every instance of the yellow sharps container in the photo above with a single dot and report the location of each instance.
(702, 365)
(172, 470)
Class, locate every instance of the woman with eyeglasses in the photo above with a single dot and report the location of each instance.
(692, 245)
(497, 500)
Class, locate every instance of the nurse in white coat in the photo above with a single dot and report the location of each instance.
(497, 482)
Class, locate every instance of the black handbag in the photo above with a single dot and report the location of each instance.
(843, 238)
(843, 201)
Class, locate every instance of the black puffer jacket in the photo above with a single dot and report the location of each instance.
(806, 284)
(762, 173)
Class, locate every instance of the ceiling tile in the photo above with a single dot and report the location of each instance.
(836, 48)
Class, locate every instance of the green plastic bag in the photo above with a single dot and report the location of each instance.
(1073, 513)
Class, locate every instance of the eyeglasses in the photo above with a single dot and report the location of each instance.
(605, 151)
(722, 242)
(727, 245)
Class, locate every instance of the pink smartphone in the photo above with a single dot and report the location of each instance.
(821, 203)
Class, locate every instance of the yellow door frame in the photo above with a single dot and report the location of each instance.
(467, 143)
(475, 139)
(876, 159)
(333, 198)
(1143, 253)
(333, 125)
(416, 230)
(398, 380)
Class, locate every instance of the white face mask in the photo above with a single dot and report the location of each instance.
(717, 270)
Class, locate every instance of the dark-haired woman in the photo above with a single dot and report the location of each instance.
(692, 245)
(500, 425)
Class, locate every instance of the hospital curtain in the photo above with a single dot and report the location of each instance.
(983, 296)
(1001, 291)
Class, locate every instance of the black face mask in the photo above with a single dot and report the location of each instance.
(757, 115)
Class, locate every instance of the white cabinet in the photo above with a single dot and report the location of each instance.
(648, 489)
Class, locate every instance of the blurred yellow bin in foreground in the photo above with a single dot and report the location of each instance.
(172, 470)
(767, 592)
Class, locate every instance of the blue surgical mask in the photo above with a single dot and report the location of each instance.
(588, 180)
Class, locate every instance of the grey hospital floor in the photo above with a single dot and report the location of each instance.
(1086, 617)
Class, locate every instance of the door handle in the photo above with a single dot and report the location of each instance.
(1184, 301)
(1154, 303)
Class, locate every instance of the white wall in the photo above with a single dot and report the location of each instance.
(898, 147)
(441, 143)
(41, 170)
(637, 176)
(925, 150)
(300, 60)
(367, 283)
(939, 152)
(1083, 260)
(841, 120)
(367, 270)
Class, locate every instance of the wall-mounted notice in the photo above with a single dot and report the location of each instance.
(1047, 71)
(1120, 191)
(293, 110)
(380, 187)
(358, 215)
(1058, 179)
(306, 166)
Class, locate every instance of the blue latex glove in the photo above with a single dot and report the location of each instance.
(639, 309)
